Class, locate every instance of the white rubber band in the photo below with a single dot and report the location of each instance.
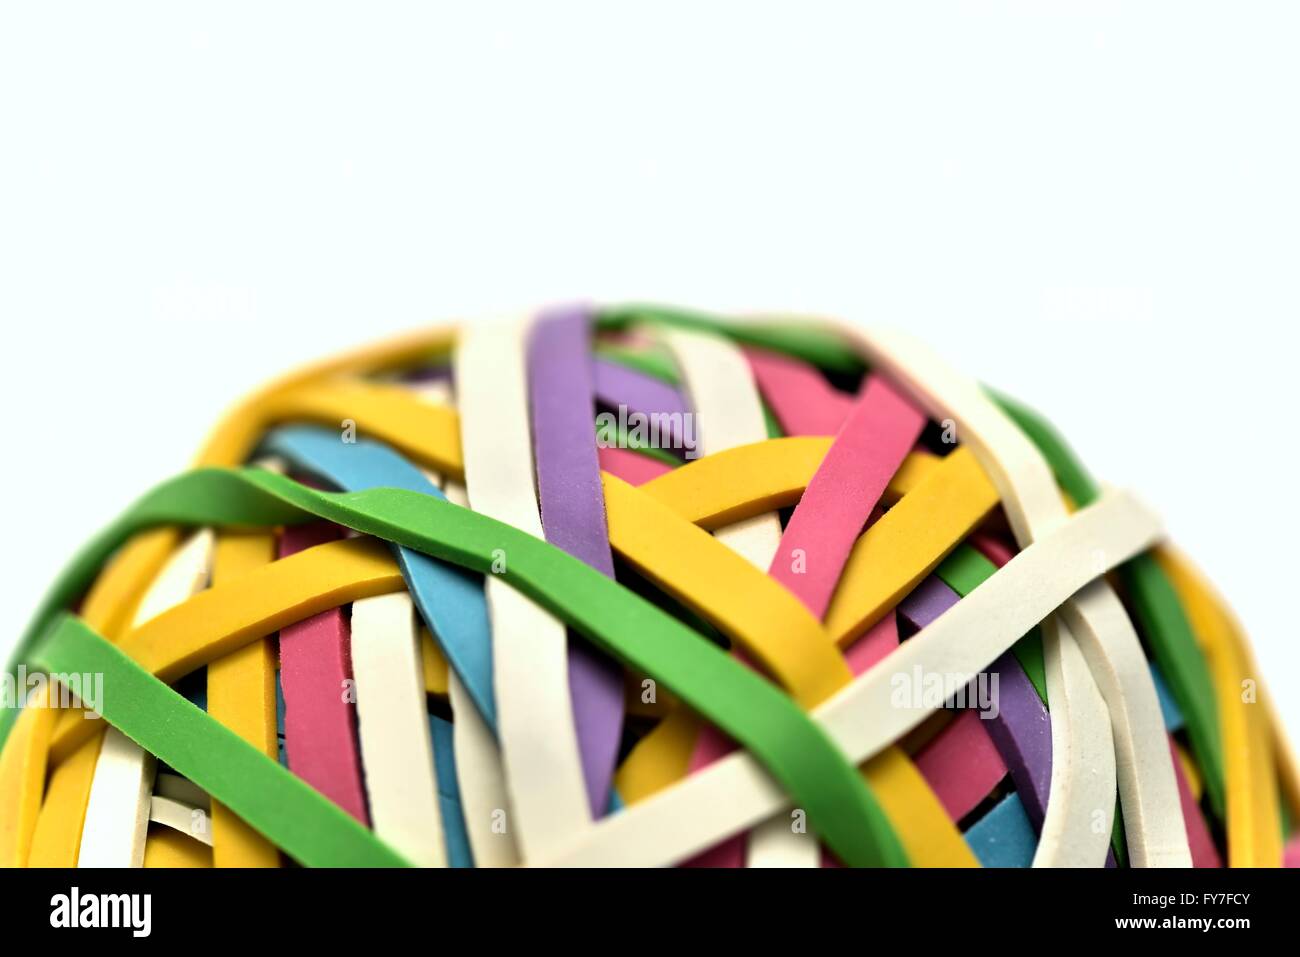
(117, 813)
(193, 822)
(393, 728)
(548, 794)
(1081, 800)
(181, 789)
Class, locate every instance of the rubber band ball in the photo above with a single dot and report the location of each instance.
(637, 586)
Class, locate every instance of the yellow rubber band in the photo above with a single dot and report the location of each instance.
(22, 778)
(660, 759)
(1254, 826)
(433, 664)
(167, 848)
(908, 541)
(748, 480)
(241, 695)
(57, 840)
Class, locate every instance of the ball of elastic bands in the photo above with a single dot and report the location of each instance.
(638, 587)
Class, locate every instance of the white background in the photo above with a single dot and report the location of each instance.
(1092, 206)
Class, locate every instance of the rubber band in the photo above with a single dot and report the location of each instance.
(180, 817)
(117, 814)
(880, 429)
(539, 747)
(1083, 759)
(630, 466)
(481, 781)
(614, 385)
(177, 788)
(320, 727)
(1204, 853)
(22, 778)
(393, 729)
(802, 400)
(433, 665)
(660, 759)
(453, 819)
(1003, 837)
(168, 848)
(561, 390)
(57, 840)
(1253, 821)
(961, 765)
(241, 695)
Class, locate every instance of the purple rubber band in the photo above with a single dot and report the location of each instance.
(928, 601)
(573, 518)
(1022, 733)
(617, 385)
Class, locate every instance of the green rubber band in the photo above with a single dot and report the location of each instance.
(305, 824)
(744, 705)
(624, 439)
(652, 362)
(813, 344)
(1159, 613)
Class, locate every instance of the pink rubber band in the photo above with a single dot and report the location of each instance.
(880, 639)
(1291, 853)
(1204, 853)
(994, 549)
(961, 764)
(802, 401)
(320, 734)
(867, 451)
(632, 467)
